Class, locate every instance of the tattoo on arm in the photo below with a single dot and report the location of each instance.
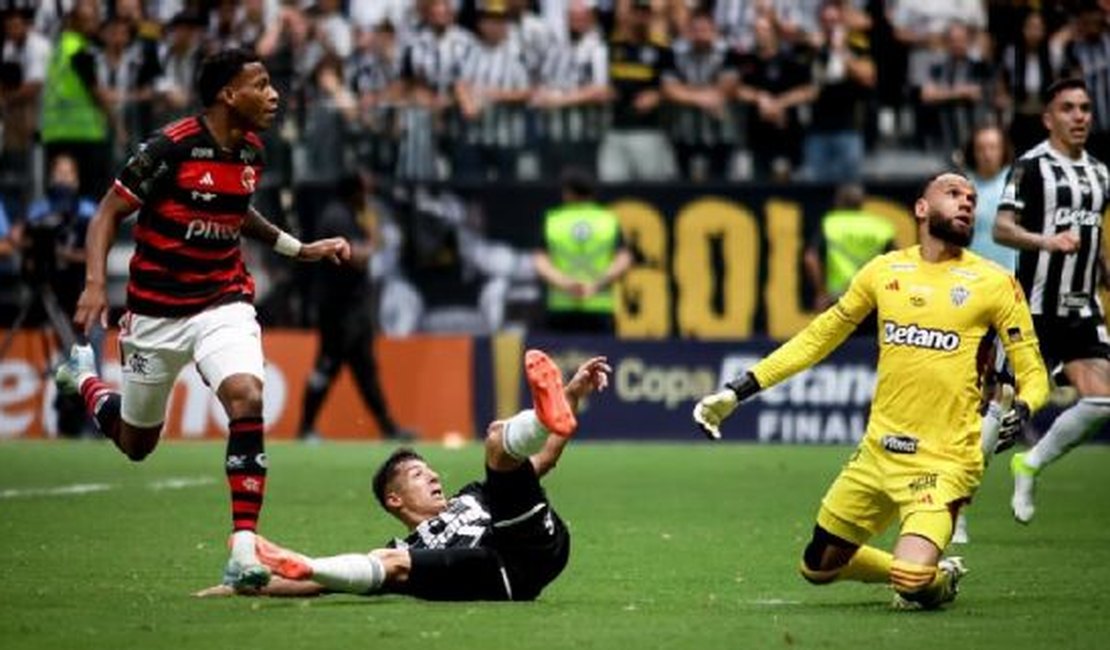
(257, 227)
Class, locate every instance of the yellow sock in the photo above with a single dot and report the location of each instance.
(869, 564)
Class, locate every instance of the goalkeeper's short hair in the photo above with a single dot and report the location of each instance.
(388, 470)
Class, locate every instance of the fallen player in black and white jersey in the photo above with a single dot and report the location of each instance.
(498, 539)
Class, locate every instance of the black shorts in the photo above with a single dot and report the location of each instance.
(528, 547)
(1067, 339)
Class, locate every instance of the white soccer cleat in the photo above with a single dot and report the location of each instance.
(245, 578)
(80, 363)
(959, 533)
(244, 572)
(1025, 483)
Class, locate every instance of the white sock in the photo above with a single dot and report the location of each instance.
(242, 547)
(1068, 430)
(988, 434)
(523, 435)
(353, 573)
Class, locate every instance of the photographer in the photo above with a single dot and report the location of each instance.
(53, 253)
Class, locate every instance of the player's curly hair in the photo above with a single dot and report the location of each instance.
(388, 470)
(217, 70)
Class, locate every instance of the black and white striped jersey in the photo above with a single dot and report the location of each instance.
(1051, 194)
(437, 58)
(569, 66)
(688, 66)
(533, 39)
(495, 67)
(464, 524)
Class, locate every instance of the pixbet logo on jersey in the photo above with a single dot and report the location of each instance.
(202, 229)
(919, 337)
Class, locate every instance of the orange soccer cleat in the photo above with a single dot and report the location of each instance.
(282, 561)
(550, 402)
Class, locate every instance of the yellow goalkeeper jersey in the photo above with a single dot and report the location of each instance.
(932, 319)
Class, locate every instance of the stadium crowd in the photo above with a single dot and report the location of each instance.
(477, 90)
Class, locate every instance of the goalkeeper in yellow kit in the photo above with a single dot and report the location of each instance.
(920, 460)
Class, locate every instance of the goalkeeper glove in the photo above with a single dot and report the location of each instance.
(1011, 425)
(712, 410)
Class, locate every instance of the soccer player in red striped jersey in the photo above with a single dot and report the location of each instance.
(189, 294)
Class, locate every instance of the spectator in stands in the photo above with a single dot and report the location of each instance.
(401, 14)
(345, 307)
(142, 60)
(1088, 56)
(634, 148)
(774, 82)
(1027, 68)
(374, 75)
(74, 108)
(321, 156)
(988, 155)
(799, 21)
(332, 29)
(126, 78)
(431, 68)
(581, 257)
(23, 63)
(849, 238)
(955, 93)
(8, 270)
(700, 82)
(492, 90)
(845, 76)
(573, 95)
(179, 57)
(531, 35)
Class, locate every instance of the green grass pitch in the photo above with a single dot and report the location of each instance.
(674, 546)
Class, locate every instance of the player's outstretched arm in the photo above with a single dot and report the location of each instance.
(257, 227)
(92, 305)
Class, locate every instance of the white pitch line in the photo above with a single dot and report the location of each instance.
(173, 483)
(773, 602)
(61, 490)
(179, 483)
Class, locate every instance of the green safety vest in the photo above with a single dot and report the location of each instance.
(852, 239)
(581, 241)
(69, 112)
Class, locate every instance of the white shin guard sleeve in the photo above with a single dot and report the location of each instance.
(1068, 430)
(523, 435)
(354, 573)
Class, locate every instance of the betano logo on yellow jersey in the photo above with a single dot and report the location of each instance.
(916, 336)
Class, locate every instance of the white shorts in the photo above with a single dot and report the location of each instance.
(221, 341)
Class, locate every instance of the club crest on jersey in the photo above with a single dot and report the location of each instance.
(915, 336)
(248, 178)
(959, 295)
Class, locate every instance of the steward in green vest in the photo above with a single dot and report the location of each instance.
(582, 256)
(849, 238)
(74, 114)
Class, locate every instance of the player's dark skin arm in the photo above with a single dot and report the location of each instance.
(92, 306)
(257, 227)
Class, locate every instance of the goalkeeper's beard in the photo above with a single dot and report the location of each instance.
(943, 230)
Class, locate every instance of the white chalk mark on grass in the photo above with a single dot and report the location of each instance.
(77, 489)
(773, 602)
(179, 483)
(59, 491)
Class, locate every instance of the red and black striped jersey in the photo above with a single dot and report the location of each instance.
(192, 196)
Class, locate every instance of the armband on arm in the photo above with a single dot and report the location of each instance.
(744, 386)
(287, 245)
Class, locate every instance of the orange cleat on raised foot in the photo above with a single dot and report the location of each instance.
(551, 405)
(282, 561)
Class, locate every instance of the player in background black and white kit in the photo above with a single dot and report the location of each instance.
(189, 293)
(1052, 211)
(498, 539)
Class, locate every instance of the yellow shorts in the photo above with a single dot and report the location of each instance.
(877, 485)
